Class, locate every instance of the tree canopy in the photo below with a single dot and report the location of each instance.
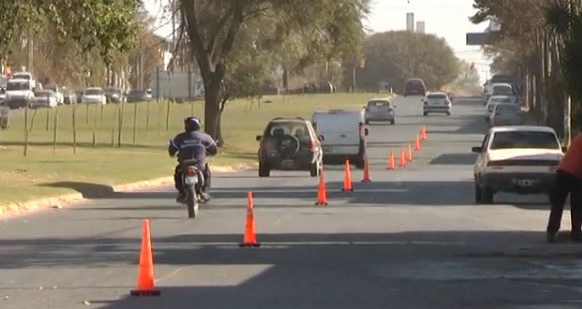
(329, 29)
(396, 56)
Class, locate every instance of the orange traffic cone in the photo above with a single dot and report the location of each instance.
(250, 237)
(391, 161)
(321, 193)
(366, 177)
(145, 273)
(401, 160)
(347, 178)
(417, 144)
(423, 133)
(409, 154)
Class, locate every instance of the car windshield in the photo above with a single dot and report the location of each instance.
(17, 86)
(93, 91)
(503, 90)
(279, 129)
(436, 96)
(524, 139)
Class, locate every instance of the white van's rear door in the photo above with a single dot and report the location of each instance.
(340, 131)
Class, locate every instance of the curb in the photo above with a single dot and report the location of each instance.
(19, 208)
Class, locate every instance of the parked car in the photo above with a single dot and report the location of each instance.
(379, 110)
(518, 159)
(437, 102)
(44, 99)
(19, 93)
(94, 95)
(494, 100)
(342, 134)
(289, 144)
(134, 96)
(505, 114)
(58, 93)
(414, 86)
(114, 95)
(70, 97)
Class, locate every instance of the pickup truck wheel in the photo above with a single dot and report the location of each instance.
(487, 195)
(264, 170)
(478, 194)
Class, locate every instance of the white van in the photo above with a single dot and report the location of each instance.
(342, 134)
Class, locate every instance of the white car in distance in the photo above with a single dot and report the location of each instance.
(94, 95)
(516, 159)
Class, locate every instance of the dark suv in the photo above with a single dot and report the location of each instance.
(414, 86)
(289, 144)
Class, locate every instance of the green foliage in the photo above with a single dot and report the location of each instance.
(398, 55)
(106, 25)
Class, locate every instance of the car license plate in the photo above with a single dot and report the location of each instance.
(287, 163)
(525, 182)
(329, 149)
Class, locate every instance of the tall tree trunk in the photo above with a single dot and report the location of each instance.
(212, 97)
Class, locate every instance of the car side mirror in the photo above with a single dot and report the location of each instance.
(366, 132)
(564, 148)
(477, 149)
(321, 138)
(259, 137)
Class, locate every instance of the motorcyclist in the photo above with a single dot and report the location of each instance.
(192, 145)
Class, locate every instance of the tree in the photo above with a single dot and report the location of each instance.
(396, 56)
(329, 28)
(104, 25)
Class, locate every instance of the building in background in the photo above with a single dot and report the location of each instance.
(410, 22)
(420, 27)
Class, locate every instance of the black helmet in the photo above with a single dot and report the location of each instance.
(192, 124)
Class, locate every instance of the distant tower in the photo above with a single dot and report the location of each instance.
(420, 27)
(410, 22)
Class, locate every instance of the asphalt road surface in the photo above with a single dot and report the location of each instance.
(412, 238)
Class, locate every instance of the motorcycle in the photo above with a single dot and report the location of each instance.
(193, 182)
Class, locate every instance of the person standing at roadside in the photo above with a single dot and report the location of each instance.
(568, 182)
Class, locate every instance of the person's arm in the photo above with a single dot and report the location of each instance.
(173, 147)
(211, 147)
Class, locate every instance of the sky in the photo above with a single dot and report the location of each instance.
(444, 18)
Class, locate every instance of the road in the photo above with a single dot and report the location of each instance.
(412, 238)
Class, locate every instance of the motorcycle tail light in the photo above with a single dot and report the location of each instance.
(190, 172)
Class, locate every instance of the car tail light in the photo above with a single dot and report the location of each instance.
(190, 171)
(311, 145)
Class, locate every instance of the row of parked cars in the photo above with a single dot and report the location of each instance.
(513, 157)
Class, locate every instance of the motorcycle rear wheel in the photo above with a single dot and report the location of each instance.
(191, 203)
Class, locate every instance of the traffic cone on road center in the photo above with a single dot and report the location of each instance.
(250, 237)
(423, 133)
(145, 274)
(401, 159)
(417, 144)
(366, 177)
(321, 193)
(347, 178)
(391, 161)
(409, 154)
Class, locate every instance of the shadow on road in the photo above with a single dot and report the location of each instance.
(316, 270)
(475, 126)
(455, 159)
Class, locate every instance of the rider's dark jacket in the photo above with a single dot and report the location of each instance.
(192, 146)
